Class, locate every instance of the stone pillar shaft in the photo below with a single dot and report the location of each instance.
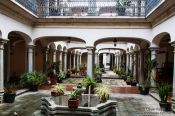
(153, 56)
(174, 74)
(60, 60)
(127, 62)
(2, 65)
(54, 55)
(90, 62)
(141, 74)
(74, 57)
(30, 50)
(65, 61)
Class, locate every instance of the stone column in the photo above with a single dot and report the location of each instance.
(89, 61)
(174, 76)
(131, 63)
(153, 56)
(141, 70)
(74, 57)
(78, 61)
(54, 55)
(60, 60)
(112, 64)
(2, 42)
(80, 58)
(65, 61)
(70, 58)
(96, 58)
(127, 61)
(117, 60)
(30, 52)
(135, 65)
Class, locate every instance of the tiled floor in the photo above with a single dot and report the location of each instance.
(129, 102)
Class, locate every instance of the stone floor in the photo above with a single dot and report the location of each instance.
(128, 105)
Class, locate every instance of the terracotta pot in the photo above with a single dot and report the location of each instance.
(53, 80)
(73, 103)
(144, 90)
(165, 106)
(54, 94)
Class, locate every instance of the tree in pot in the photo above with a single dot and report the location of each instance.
(144, 87)
(57, 90)
(163, 90)
(33, 80)
(103, 93)
(89, 81)
(73, 101)
(9, 94)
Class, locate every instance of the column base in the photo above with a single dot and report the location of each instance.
(1, 96)
(173, 105)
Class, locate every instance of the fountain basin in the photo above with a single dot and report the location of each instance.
(50, 108)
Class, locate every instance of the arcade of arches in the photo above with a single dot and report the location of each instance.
(28, 43)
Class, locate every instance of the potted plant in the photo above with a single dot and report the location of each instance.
(33, 80)
(144, 87)
(163, 90)
(73, 101)
(68, 73)
(60, 76)
(98, 74)
(51, 72)
(57, 90)
(129, 79)
(9, 94)
(133, 82)
(103, 93)
(82, 69)
(89, 82)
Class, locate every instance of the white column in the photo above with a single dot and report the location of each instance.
(117, 60)
(131, 63)
(78, 61)
(153, 56)
(30, 50)
(127, 61)
(65, 61)
(90, 62)
(80, 58)
(60, 60)
(45, 55)
(54, 55)
(96, 58)
(74, 57)
(112, 64)
(2, 65)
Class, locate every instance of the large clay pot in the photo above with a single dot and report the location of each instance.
(165, 106)
(144, 90)
(73, 103)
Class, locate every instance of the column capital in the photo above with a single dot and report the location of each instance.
(89, 47)
(3, 40)
(30, 46)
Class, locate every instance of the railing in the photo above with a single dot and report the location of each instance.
(46, 8)
(151, 4)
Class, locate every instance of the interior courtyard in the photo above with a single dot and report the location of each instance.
(114, 57)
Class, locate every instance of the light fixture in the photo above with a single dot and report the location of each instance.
(115, 42)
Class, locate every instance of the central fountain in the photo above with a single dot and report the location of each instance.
(89, 105)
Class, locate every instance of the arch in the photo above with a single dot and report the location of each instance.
(59, 38)
(138, 41)
(52, 45)
(59, 47)
(20, 35)
(64, 49)
(161, 37)
(112, 49)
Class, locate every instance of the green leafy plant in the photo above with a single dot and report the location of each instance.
(103, 93)
(74, 95)
(61, 75)
(88, 81)
(33, 78)
(10, 88)
(59, 89)
(163, 90)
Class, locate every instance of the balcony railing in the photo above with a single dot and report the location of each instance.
(46, 8)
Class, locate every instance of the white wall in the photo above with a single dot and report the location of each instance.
(91, 35)
(167, 26)
(8, 24)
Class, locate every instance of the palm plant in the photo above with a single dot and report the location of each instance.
(163, 90)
